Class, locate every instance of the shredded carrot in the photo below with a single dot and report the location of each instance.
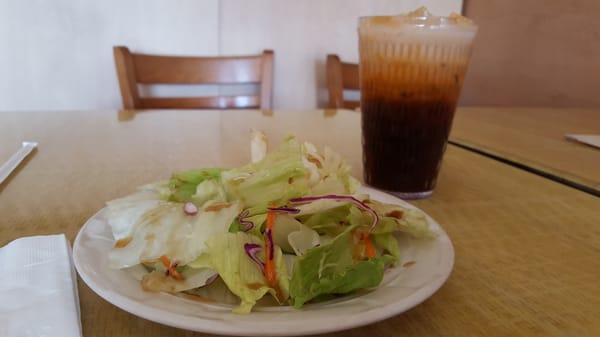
(369, 248)
(171, 271)
(175, 274)
(270, 273)
(270, 219)
(165, 261)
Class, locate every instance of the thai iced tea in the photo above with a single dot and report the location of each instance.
(411, 72)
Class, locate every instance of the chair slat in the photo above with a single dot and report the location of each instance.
(352, 105)
(340, 76)
(350, 76)
(194, 70)
(213, 102)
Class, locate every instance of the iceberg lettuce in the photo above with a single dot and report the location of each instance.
(279, 176)
(123, 213)
(157, 280)
(242, 275)
(387, 242)
(328, 220)
(183, 184)
(167, 230)
(208, 190)
(328, 172)
(293, 236)
(397, 218)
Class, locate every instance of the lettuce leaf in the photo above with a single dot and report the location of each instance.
(208, 190)
(242, 276)
(359, 218)
(328, 172)
(328, 221)
(183, 184)
(258, 145)
(292, 236)
(387, 242)
(157, 280)
(394, 218)
(123, 213)
(257, 215)
(279, 176)
(166, 230)
(330, 270)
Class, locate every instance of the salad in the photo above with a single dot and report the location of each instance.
(290, 225)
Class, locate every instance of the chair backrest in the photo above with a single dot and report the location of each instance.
(340, 76)
(134, 69)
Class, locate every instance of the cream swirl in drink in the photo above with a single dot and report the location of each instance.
(411, 72)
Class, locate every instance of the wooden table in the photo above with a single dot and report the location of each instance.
(527, 248)
(534, 139)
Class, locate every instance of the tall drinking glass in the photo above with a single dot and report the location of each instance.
(411, 72)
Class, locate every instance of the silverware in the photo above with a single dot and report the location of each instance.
(16, 159)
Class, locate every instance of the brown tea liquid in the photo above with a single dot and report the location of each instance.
(411, 72)
(403, 143)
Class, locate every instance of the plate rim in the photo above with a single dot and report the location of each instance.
(206, 325)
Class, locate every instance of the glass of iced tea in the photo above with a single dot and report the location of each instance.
(411, 72)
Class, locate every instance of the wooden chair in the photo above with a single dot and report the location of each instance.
(134, 69)
(340, 76)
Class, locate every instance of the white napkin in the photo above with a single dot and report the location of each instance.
(591, 140)
(38, 289)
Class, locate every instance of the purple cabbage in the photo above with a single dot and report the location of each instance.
(361, 205)
(252, 250)
(284, 209)
(244, 222)
(269, 237)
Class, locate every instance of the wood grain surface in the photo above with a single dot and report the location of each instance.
(134, 68)
(535, 138)
(527, 256)
(341, 76)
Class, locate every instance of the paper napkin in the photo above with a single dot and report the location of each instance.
(591, 140)
(38, 289)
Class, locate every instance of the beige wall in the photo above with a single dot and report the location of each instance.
(535, 53)
(58, 54)
(302, 33)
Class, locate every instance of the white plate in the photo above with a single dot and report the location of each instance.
(402, 288)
